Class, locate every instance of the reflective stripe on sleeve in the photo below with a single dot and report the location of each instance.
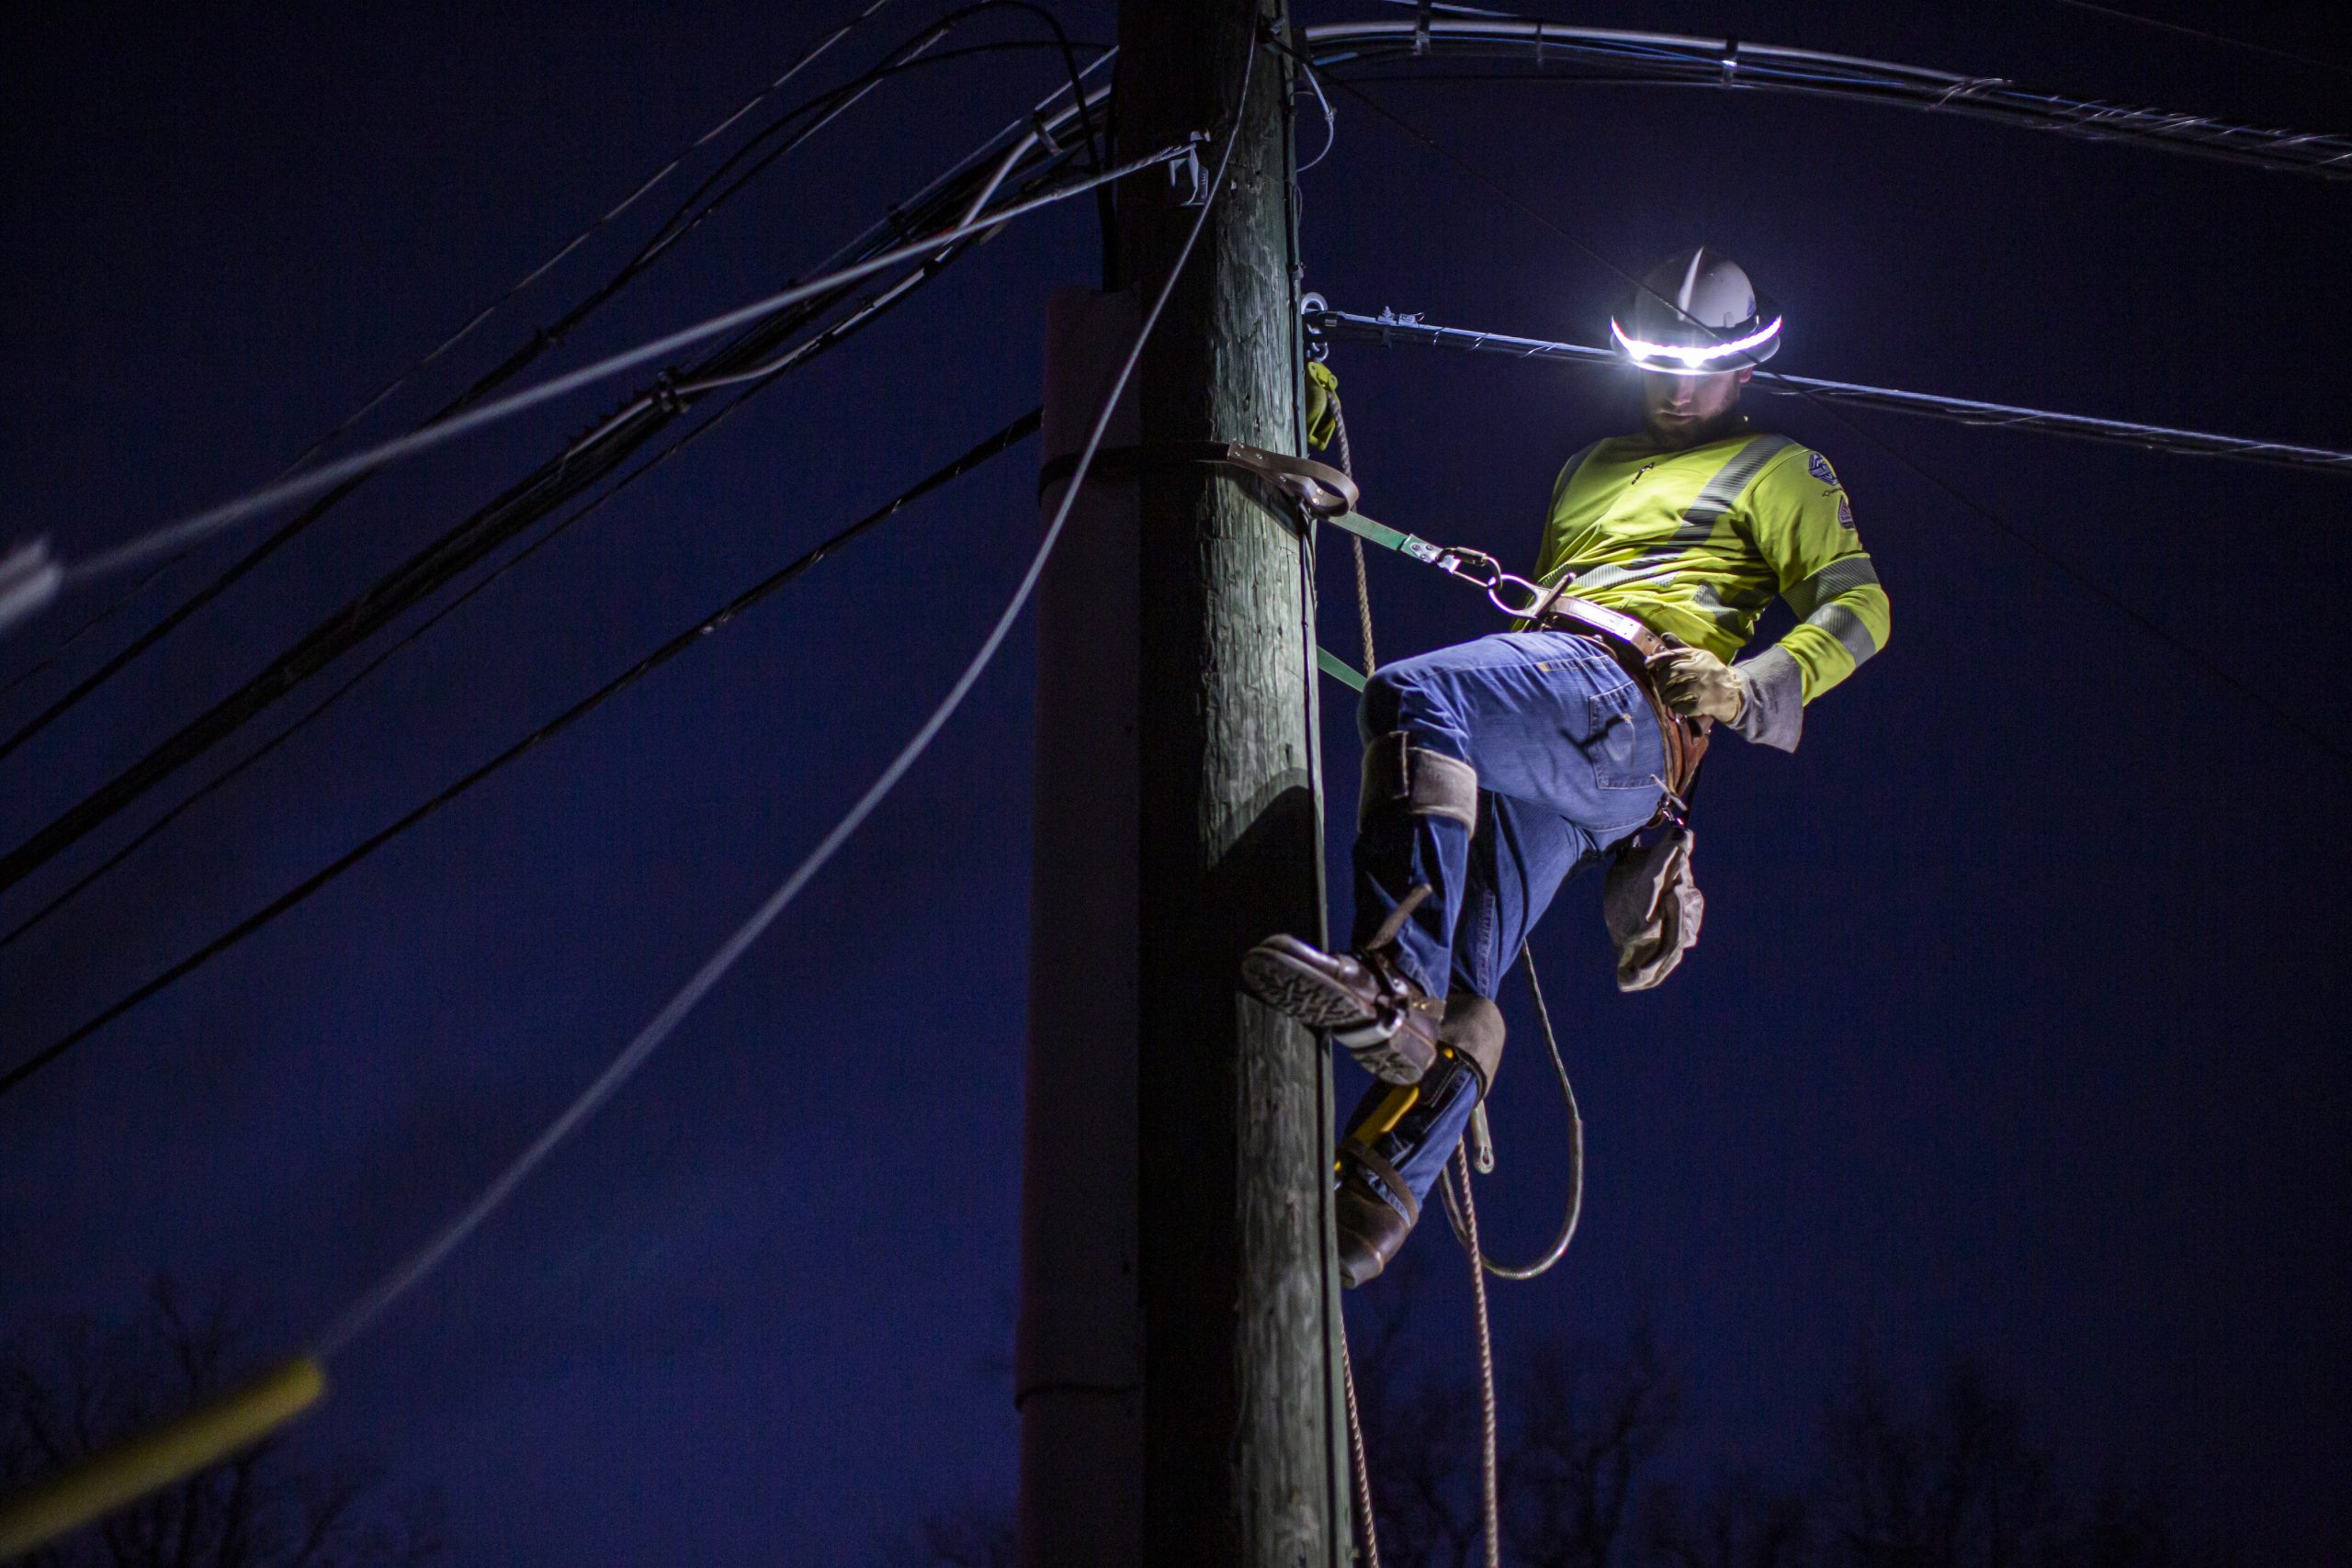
(1828, 582)
(1847, 627)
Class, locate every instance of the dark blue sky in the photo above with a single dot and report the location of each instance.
(2015, 1025)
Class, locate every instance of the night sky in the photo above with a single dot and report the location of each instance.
(2014, 1031)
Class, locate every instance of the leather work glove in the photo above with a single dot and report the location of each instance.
(1653, 907)
(1693, 680)
(1322, 404)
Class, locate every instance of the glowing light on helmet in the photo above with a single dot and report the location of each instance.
(1692, 360)
(1697, 314)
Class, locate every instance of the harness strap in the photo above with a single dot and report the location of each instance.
(1319, 487)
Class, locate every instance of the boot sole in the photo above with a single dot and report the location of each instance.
(1290, 986)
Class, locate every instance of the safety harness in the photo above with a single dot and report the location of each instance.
(1327, 495)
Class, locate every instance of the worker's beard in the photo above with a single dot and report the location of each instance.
(1676, 435)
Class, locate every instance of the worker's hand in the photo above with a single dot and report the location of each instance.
(1322, 404)
(1693, 680)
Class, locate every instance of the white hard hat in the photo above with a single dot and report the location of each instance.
(1695, 314)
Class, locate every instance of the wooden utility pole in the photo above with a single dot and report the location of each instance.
(1179, 1406)
(1232, 1098)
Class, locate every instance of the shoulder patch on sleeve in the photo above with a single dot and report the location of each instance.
(1845, 510)
(1818, 465)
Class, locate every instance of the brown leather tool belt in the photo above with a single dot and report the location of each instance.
(1631, 644)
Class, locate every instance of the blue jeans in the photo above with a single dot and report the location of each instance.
(1569, 762)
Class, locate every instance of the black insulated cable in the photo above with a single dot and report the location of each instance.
(522, 504)
(1011, 436)
(690, 213)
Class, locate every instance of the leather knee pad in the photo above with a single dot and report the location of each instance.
(1404, 779)
(1473, 1029)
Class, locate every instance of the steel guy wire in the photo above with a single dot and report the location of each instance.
(370, 1306)
(213, 520)
(479, 318)
(1012, 435)
(2189, 652)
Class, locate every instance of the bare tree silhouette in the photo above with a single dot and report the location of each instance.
(83, 1389)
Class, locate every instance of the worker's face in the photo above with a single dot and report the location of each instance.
(1682, 411)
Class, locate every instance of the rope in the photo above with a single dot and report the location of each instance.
(370, 1306)
(1489, 1490)
(1363, 583)
(1371, 1528)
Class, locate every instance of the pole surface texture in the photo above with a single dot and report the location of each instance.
(1234, 1260)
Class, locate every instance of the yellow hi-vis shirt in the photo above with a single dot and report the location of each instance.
(1695, 544)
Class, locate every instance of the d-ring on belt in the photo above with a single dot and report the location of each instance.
(1325, 492)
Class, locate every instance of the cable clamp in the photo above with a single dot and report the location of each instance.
(1312, 308)
(1388, 318)
(1421, 30)
(1186, 170)
(1731, 63)
(665, 395)
(1044, 133)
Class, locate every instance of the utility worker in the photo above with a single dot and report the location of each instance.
(1495, 768)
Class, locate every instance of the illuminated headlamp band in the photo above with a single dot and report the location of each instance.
(1692, 359)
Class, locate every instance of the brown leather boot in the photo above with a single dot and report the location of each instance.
(1375, 1210)
(1370, 1227)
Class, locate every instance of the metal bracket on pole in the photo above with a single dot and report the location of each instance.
(1187, 171)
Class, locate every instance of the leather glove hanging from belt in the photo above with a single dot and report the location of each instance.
(1693, 680)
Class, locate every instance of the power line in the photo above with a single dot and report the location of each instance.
(320, 708)
(2286, 54)
(371, 1306)
(1390, 327)
(2190, 651)
(905, 56)
(555, 481)
(381, 394)
(1011, 435)
(1674, 60)
(269, 497)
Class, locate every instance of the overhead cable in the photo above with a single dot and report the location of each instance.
(269, 497)
(1609, 54)
(376, 400)
(1390, 327)
(1011, 435)
(582, 465)
(2288, 55)
(697, 206)
(358, 677)
(371, 1306)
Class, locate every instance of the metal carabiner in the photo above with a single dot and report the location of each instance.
(1475, 568)
(1537, 594)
